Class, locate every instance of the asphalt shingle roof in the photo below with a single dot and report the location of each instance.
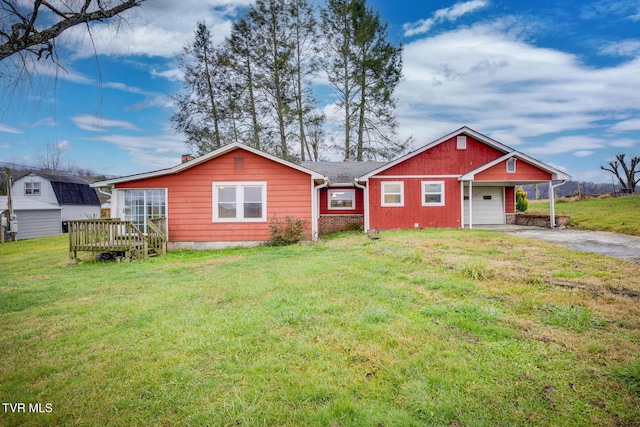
(343, 172)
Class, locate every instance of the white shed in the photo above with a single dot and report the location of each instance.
(35, 219)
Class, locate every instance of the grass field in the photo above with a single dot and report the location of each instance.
(618, 214)
(427, 327)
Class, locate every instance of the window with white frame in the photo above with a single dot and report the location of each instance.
(341, 199)
(240, 201)
(141, 205)
(432, 193)
(511, 165)
(392, 193)
(31, 188)
(461, 142)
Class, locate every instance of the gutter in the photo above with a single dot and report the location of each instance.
(365, 192)
(316, 208)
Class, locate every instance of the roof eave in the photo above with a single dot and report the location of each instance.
(202, 159)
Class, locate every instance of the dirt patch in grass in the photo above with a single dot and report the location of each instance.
(209, 263)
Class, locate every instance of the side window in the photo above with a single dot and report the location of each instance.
(511, 165)
(239, 201)
(31, 188)
(341, 199)
(392, 193)
(432, 193)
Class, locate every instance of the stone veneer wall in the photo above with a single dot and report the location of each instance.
(562, 221)
(335, 223)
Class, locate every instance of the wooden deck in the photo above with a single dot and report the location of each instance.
(117, 236)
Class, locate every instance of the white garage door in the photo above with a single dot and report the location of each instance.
(488, 206)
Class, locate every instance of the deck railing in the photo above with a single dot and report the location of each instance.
(114, 235)
(156, 235)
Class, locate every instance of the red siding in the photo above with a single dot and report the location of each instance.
(442, 159)
(509, 200)
(412, 213)
(324, 202)
(524, 172)
(190, 197)
(445, 159)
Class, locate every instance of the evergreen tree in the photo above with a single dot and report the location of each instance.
(363, 69)
(198, 115)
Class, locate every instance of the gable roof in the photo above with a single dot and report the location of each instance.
(205, 158)
(556, 175)
(70, 190)
(462, 131)
(343, 172)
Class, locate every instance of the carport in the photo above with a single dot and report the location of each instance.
(488, 193)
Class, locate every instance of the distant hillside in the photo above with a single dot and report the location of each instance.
(571, 188)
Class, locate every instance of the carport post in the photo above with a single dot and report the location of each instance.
(552, 206)
(470, 205)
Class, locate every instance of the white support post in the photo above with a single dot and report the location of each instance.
(462, 204)
(552, 206)
(470, 205)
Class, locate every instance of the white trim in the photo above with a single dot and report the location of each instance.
(353, 199)
(422, 193)
(382, 193)
(205, 158)
(239, 201)
(413, 176)
(470, 205)
(462, 204)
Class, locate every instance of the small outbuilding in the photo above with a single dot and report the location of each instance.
(74, 196)
(33, 218)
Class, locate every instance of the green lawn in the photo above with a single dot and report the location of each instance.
(618, 214)
(426, 327)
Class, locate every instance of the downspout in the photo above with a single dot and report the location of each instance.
(552, 202)
(101, 191)
(365, 192)
(315, 209)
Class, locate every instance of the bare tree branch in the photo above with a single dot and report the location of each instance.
(19, 28)
(628, 182)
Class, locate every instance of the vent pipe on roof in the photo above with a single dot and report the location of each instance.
(187, 158)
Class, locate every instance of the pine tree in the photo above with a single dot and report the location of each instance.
(364, 69)
(198, 105)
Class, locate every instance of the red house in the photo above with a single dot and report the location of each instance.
(228, 196)
(460, 180)
(224, 198)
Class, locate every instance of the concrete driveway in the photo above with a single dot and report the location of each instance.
(616, 245)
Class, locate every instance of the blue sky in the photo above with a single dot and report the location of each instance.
(558, 80)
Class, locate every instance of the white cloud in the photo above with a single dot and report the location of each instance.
(627, 125)
(47, 121)
(9, 129)
(174, 74)
(487, 77)
(583, 153)
(99, 124)
(63, 145)
(446, 14)
(629, 48)
(157, 28)
(158, 151)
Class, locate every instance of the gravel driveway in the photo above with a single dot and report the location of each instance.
(612, 244)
